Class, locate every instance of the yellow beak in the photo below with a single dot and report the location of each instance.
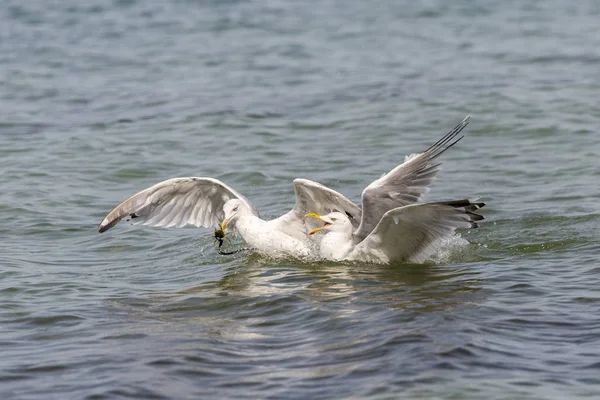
(315, 231)
(316, 216)
(224, 223)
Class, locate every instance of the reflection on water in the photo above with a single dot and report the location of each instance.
(307, 321)
(424, 288)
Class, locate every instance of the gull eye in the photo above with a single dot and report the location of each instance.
(235, 208)
(334, 219)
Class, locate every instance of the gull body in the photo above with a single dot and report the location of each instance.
(264, 236)
(337, 243)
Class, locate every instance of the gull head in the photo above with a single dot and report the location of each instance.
(332, 222)
(233, 209)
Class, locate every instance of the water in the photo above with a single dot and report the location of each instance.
(100, 99)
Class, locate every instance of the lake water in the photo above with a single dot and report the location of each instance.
(99, 99)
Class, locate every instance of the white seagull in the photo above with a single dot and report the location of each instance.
(410, 233)
(206, 202)
(395, 225)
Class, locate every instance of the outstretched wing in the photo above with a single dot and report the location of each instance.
(175, 203)
(406, 184)
(410, 233)
(317, 198)
(313, 197)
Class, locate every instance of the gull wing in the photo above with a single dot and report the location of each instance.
(406, 184)
(175, 203)
(410, 233)
(313, 197)
(317, 198)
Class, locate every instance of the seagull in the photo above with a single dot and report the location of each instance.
(411, 233)
(395, 225)
(206, 202)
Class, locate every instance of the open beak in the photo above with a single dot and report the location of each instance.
(317, 216)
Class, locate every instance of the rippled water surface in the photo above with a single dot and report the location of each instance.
(100, 99)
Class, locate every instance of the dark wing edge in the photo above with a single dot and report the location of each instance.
(406, 184)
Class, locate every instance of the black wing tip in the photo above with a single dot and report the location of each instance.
(474, 217)
(442, 145)
(104, 228)
(467, 204)
(474, 206)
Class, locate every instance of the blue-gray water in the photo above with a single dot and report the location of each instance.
(99, 99)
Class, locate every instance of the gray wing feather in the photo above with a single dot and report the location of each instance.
(406, 184)
(410, 233)
(313, 197)
(317, 198)
(175, 203)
